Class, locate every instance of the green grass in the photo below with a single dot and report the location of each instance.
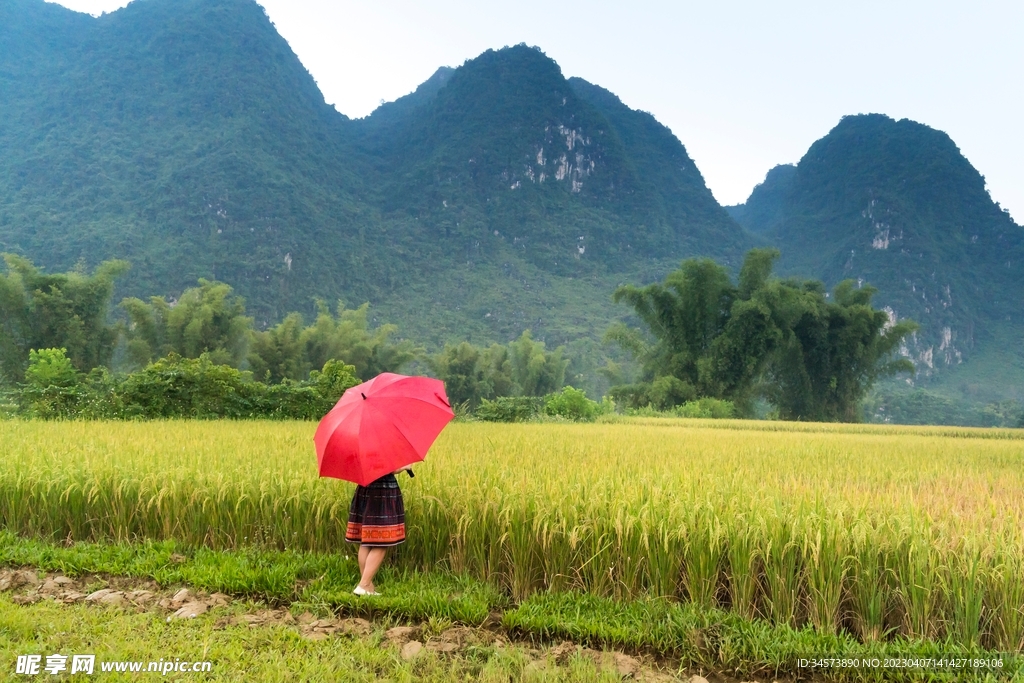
(698, 637)
(277, 577)
(715, 640)
(266, 654)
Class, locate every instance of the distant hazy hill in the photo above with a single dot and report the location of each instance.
(896, 204)
(187, 137)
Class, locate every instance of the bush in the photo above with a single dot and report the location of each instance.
(176, 387)
(188, 387)
(713, 408)
(52, 387)
(291, 400)
(707, 408)
(663, 394)
(572, 404)
(509, 409)
(333, 380)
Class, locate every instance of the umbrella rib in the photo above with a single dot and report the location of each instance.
(398, 426)
(397, 429)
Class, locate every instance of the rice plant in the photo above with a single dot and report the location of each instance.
(1005, 595)
(743, 568)
(824, 556)
(876, 530)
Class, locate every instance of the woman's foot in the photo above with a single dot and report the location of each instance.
(359, 590)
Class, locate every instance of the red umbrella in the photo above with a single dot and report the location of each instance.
(381, 425)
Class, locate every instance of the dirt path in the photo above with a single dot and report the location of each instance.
(26, 587)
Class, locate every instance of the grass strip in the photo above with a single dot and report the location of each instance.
(275, 576)
(272, 654)
(706, 638)
(716, 640)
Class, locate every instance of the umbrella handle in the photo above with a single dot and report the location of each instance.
(411, 475)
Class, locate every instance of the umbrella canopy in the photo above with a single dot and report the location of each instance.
(381, 425)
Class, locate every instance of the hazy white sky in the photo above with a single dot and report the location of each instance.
(744, 85)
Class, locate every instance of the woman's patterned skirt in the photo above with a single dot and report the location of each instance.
(376, 517)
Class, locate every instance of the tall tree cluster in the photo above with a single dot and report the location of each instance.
(524, 367)
(289, 350)
(810, 354)
(209, 319)
(61, 310)
(71, 311)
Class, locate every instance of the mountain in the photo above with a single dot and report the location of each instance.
(186, 137)
(499, 196)
(895, 204)
(183, 136)
(762, 209)
(509, 145)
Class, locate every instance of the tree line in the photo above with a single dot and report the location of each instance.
(808, 353)
(59, 339)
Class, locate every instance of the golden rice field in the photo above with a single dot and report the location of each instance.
(873, 529)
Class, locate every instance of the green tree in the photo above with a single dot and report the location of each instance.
(52, 387)
(497, 364)
(472, 374)
(811, 357)
(61, 310)
(278, 353)
(833, 352)
(346, 336)
(572, 404)
(739, 355)
(198, 388)
(332, 380)
(146, 331)
(208, 319)
(536, 371)
(459, 368)
(687, 315)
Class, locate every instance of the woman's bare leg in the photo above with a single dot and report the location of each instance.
(374, 558)
(363, 552)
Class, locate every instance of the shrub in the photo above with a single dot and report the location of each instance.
(708, 408)
(186, 387)
(572, 404)
(714, 408)
(509, 409)
(176, 387)
(664, 393)
(308, 400)
(332, 381)
(52, 387)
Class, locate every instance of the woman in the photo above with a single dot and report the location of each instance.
(376, 521)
